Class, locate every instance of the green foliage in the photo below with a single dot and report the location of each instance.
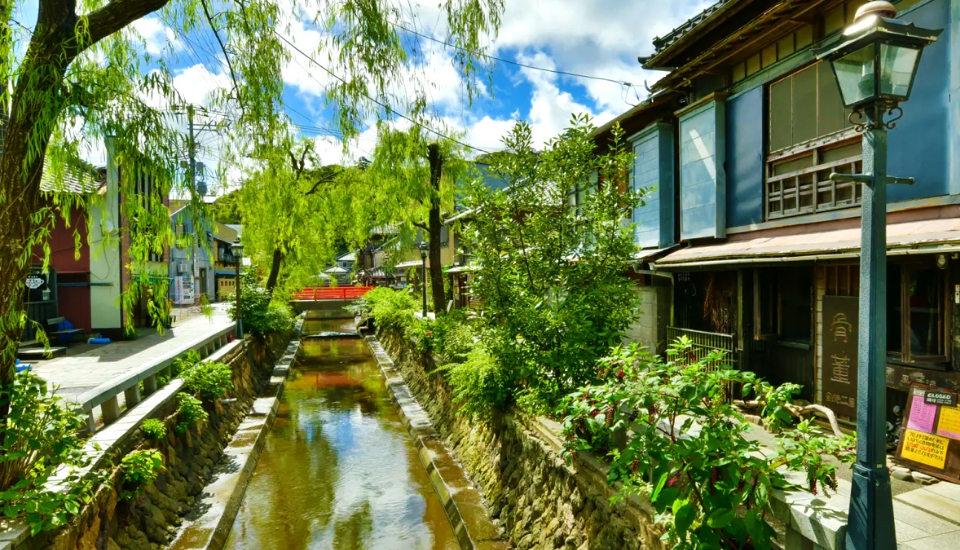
(184, 362)
(140, 469)
(153, 429)
(390, 309)
(226, 208)
(189, 412)
(686, 447)
(208, 379)
(261, 316)
(478, 382)
(39, 436)
(553, 250)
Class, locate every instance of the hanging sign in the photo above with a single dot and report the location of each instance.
(942, 398)
(33, 282)
(840, 331)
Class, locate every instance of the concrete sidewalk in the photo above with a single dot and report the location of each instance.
(75, 374)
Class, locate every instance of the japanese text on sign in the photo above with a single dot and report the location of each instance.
(925, 448)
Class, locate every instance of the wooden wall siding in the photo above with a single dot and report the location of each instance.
(653, 166)
(702, 171)
(833, 280)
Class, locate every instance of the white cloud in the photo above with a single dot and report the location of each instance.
(196, 84)
(158, 36)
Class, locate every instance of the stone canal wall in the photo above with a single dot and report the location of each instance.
(539, 501)
(152, 520)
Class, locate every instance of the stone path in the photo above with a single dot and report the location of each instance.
(75, 374)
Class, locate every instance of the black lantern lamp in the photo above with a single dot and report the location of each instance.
(875, 61)
(424, 246)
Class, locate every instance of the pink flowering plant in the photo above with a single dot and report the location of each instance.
(672, 433)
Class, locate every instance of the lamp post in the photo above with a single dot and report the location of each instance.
(424, 247)
(874, 61)
(237, 249)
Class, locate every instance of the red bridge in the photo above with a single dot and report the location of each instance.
(328, 301)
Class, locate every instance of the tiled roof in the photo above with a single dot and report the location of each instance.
(662, 43)
(73, 181)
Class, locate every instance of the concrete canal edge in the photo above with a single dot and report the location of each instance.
(222, 497)
(461, 501)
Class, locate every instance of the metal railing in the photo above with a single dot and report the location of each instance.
(704, 343)
(106, 395)
(332, 293)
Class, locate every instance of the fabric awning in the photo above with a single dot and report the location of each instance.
(464, 268)
(411, 263)
(913, 237)
(225, 272)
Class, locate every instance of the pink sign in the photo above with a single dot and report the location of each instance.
(922, 415)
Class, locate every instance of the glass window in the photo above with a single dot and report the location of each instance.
(916, 313)
(896, 68)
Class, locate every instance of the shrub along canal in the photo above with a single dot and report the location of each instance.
(338, 470)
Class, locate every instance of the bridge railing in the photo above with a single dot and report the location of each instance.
(332, 293)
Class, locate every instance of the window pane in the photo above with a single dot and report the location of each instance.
(926, 312)
(894, 310)
(781, 125)
(805, 105)
(896, 68)
(832, 114)
(855, 74)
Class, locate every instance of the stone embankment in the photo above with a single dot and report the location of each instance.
(152, 520)
(539, 501)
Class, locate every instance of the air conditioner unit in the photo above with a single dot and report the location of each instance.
(183, 268)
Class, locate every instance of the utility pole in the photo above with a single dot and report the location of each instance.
(435, 227)
(194, 248)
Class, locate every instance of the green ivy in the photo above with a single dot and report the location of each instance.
(684, 443)
(140, 469)
(38, 437)
(153, 429)
(190, 412)
(209, 380)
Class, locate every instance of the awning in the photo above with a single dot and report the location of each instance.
(650, 254)
(913, 237)
(225, 272)
(411, 263)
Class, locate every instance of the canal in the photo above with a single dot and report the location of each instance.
(338, 470)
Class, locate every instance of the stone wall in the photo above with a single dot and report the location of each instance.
(538, 500)
(151, 520)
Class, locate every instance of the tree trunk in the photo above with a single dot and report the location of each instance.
(274, 270)
(39, 97)
(434, 223)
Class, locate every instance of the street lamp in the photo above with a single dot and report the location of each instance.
(237, 249)
(424, 247)
(874, 61)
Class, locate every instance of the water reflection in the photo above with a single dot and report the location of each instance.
(338, 470)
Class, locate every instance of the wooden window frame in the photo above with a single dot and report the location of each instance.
(944, 330)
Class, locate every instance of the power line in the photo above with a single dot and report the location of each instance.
(516, 63)
(382, 105)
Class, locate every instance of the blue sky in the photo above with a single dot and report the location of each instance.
(593, 37)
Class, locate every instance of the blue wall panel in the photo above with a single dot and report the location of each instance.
(653, 168)
(702, 172)
(745, 131)
(922, 133)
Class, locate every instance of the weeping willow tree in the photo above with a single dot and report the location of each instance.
(298, 213)
(79, 75)
(414, 174)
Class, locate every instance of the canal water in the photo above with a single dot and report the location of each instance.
(338, 470)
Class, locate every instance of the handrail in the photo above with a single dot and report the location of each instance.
(332, 293)
(105, 395)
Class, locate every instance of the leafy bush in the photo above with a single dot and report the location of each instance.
(684, 444)
(189, 412)
(478, 382)
(184, 362)
(553, 286)
(209, 380)
(390, 309)
(153, 429)
(39, 435)
(140, 469)
(260, 315)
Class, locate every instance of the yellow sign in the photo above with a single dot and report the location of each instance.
(925, 448)
(949, 424)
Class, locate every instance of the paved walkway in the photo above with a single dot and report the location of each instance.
(77, 373)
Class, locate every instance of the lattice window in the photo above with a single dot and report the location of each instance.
(798, 181)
